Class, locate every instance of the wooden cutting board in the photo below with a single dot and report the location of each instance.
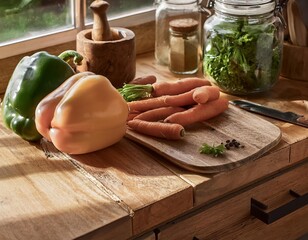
(254, 133)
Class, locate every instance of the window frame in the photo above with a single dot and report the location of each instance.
(60, 37)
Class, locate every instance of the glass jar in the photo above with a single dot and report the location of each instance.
(166, 11)
(242, 50)
(184, 46)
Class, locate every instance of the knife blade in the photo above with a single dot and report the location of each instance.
(290, 117)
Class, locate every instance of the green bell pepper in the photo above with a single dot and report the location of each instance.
(33, 78)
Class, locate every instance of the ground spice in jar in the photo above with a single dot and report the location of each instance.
(184, 46)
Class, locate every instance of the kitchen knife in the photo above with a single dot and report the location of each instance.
(290, 117)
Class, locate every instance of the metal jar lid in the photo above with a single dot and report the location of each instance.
(245, 7)
(177, 2)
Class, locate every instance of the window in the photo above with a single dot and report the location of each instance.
(25, 19)
(27, 25)
(121, 7)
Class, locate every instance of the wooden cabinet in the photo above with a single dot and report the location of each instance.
(230, 218)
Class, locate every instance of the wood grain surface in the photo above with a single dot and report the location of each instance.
(132, 176)
(255, 134)
(49, 198)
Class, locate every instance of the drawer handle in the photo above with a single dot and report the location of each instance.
(257, 208)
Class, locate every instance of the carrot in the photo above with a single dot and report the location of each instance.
(183, 99)
(157, 129)
(158, 113)
(206, 93)
(180, 86)
(147, 104)
(131, 116)
(134, 92)
(199, 113)
(149, 79)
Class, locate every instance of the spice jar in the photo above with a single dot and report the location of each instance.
(242, 50)
(166, 11)
(184, 46)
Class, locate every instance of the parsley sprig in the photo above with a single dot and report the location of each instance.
(213, 150)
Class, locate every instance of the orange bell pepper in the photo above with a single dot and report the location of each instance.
(86, 113)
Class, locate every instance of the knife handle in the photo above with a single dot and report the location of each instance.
(257, 208)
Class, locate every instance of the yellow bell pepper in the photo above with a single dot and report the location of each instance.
(86, 113)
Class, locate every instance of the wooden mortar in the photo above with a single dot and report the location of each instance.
(294, 62)
(107, 51)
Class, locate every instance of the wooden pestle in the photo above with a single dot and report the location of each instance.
(101, 30)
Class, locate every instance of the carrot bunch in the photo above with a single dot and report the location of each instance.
(168, 107)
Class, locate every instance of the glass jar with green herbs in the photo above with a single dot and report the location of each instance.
(242, 49)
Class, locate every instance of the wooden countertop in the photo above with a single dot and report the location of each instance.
(125, 190)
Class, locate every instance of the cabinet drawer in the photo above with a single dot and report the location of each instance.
(231, 218)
